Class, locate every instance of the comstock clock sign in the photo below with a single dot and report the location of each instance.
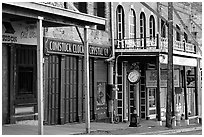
(55, 46)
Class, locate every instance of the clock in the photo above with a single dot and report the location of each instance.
(134, 76)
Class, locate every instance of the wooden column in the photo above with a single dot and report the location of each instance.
(170, 82)
(40, 74)
(62, 91)
(45, 89)
(86, 80)
(158, 107)
(199, 88)
(80, 89)
(185, 95)
(125, 102)
(95, 88)
(110, 81)
(12, 85)
(196, 89)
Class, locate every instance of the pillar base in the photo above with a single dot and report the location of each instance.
(125, 120)
(159, 123)
(187, 122)
(174, 123)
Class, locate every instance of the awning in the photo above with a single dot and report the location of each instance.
(53, 16)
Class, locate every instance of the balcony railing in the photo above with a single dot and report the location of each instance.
(154, 43)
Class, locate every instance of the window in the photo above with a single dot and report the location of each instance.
(132, 26)
(142, 30)
(152, 27)
(81, 6)
(185, 37)
(120, 26)
(25, 80)
(99, 10)
(178, 35)
(163, 29)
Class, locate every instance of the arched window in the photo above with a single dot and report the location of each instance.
(132, 20)
(120, 26)
(163, 29)
(132, 27)
(151, 27)
(142, 30)
(178, 35)
(185, 37)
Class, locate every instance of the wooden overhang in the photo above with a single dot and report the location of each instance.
(52, 16)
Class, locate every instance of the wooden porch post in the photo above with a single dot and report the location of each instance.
(196, 90)
(40, 74)
(110, 81)
(125, 110)
(185, 95)
(158, 108)
(86, 80)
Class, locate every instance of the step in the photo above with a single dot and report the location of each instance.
(26, 116)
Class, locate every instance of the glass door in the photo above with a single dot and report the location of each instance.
(152, 102)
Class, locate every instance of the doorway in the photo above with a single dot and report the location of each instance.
(24, 75)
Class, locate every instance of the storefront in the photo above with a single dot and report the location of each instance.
(140, 91)
(22, 38)
(64, 72)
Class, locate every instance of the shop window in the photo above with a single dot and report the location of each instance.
(120, 25)
(142, 29)
(25, 80)
(99, 10)
(152, 27)
(81, 6)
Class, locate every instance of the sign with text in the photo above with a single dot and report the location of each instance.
(55, 46)
(19, 33)
(151, 78)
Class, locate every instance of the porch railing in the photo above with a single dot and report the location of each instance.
(154, 43)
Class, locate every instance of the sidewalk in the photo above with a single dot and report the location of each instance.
(147, 127)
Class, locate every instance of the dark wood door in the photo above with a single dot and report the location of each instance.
(25, 71)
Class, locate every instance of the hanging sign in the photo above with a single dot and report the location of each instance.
(55, 46)
(134, 76)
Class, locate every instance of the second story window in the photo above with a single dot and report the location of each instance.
(81, 6)
(178, 35)
(142, 30)
(132, 25)
(163, 29)
(99, 10)
(152, 27)
(185, 37)
(120, 26)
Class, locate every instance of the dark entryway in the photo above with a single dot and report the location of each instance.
(24, 78)
(63, 91)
